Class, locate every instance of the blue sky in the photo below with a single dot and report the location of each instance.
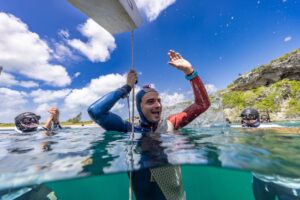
(49, 61)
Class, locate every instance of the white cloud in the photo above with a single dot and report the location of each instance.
(64, 33)
(76, 74)
(42, 110)
(288, 38)
(8, 80)
(171, 99)
(152, 8)
(12, 103)
(46, 96)
(24, 52)
(99, 45)
(29, 84)
(210, 88)
(62, 52)
(70, 102)
(79, 99)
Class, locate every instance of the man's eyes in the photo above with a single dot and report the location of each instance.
(151, 101)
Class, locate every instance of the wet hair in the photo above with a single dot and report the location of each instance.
(27, 122)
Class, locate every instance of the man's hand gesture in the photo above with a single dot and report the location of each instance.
(177, 61)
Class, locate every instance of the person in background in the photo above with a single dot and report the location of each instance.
(28, 123)
(268, 187)
(250, 118)
(163, 182)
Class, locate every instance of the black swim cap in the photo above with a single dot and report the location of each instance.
(250, 113)
(27, 122)
(250, 118)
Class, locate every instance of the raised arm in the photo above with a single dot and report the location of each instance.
(100, 110)
(201, 103)
(53, 120)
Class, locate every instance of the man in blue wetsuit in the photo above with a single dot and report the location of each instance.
(268, 187)
(163, 182)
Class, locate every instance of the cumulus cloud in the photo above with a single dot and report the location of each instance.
(64, 33)
(12, 103)
(70, 102)
(99, 42)
(152, 8)
(80, 99)
(8, 80)
(62, 52)
(46, 96)
(42, 110)
(171, 99)
(210, 88)
(288, 38)
(24, 52)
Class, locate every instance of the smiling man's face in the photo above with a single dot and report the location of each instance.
(151, 107)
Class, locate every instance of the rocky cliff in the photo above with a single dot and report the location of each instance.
(285, 67)
(274, 87)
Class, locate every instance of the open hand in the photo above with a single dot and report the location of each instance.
(177, 61)
(54, 113)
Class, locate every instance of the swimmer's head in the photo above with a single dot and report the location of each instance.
(149, 106)
(250, 118)
(27, 122)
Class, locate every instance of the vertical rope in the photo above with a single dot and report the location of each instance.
(132, 116)
(132, 67)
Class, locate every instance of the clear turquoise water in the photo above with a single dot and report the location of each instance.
(200, 182)
(216, 160)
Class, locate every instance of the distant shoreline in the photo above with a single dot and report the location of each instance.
(79, 125)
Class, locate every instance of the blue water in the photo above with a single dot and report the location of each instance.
(72, 153)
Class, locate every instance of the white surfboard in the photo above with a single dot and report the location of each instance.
(116, 16)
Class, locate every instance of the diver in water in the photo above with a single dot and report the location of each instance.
(27, 123)
(163, 182)
(266, 187)
(250, 118)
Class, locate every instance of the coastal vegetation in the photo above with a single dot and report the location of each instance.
(275, 90)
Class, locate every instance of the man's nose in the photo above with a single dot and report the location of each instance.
(157, 104)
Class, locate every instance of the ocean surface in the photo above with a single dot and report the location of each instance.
(60, 159)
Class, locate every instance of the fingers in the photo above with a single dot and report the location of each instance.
(132, 78)
(53, 111)
(173, 55)
(132, 74)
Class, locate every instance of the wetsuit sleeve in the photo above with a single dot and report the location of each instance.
(99, 111)
(200, 105)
